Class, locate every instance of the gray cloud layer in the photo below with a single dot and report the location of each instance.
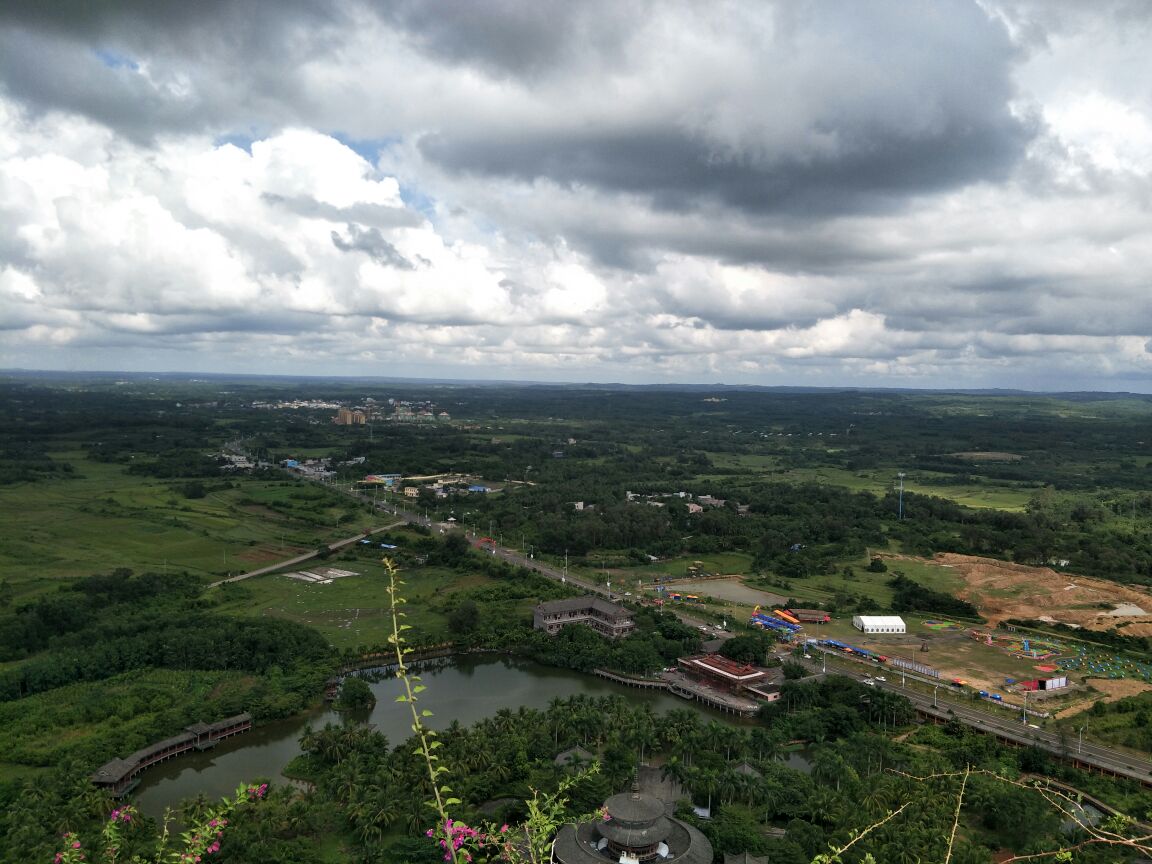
(830, 192)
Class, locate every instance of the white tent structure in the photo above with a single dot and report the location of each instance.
(879, 623)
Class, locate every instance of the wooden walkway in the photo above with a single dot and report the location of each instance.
(642, 683)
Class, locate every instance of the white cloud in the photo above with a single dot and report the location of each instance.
(780, 193)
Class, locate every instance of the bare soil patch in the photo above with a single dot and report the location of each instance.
(1118, 688)
(1000, 590)
(1112, 690)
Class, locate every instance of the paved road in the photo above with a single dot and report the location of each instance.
(544, 569)
(307, 556)
(1131, 765)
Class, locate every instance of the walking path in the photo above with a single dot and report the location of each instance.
(307, 556)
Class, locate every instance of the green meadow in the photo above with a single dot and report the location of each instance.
(351, 612)
(105, 518)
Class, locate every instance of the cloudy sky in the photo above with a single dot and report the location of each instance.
(948, 193)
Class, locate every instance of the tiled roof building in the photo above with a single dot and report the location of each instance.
(605, 618)
(636, 829)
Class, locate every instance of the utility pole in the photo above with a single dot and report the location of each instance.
(900, 505)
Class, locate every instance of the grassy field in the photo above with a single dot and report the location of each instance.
(818, 590)
(107, 518)
(723, 563)
(996, 495)
(352, 612)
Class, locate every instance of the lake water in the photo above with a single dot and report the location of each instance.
(468, 689)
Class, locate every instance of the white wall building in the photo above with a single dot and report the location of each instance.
(879, 623)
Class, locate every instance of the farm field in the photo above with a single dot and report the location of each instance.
(106, 518)
(1000, 495)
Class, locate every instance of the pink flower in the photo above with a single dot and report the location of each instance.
(75, 844)
(504, 828)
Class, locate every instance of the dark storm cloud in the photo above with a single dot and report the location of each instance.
(791, 131)
(510, 37)
(168, 20)
(209, 65)
(372, 243)
(680, 172)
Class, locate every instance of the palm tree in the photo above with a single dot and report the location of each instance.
(681, 726)
(727, 785)
(828, 766)
(768, 743)
(707, 781)
(824, 806)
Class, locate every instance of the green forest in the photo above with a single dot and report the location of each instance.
(125, 509)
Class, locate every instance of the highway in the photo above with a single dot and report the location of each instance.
(944, 705)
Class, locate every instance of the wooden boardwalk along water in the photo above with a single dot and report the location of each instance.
(119, 776)
(642, 683)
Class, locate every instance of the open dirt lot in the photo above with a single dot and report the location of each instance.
(1000, 590)
(733, 590)
(953, 655)
(1112, 688)
(1118, 688)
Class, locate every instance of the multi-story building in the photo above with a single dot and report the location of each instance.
(605, 618)
(349, 417)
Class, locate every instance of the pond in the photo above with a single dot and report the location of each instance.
(467, 689)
